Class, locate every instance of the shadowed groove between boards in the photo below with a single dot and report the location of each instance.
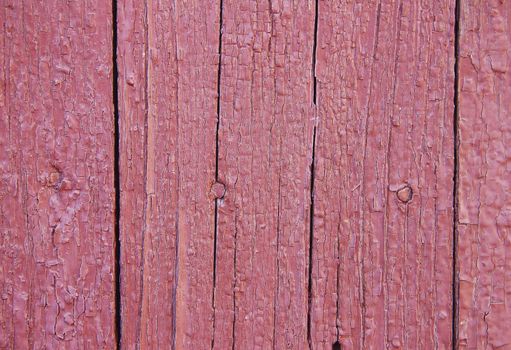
(311, 214)
(217, 155)
(455, 282)
(117, 252)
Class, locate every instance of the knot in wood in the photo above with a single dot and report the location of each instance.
(218, 190)
(405, 194)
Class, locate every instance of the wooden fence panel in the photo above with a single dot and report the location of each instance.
(57, 179)
(484, 191)
(383, 216)
(265, 152)
(285, 174)
(168, 70)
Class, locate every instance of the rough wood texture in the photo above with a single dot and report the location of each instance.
(484, 190)
(265, 152)
(168, 61)
(56, 171)
(382, 248)
(286, 174)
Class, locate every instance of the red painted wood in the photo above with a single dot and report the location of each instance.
(56, 171)
(216, 185)
(168, 61)
(382, 249)
(265, 151)
(484, 222)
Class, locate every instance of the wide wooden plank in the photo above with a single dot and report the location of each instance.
(56, 171)
(265, 151)
(168, 69)
(383, 214)
(484, 191)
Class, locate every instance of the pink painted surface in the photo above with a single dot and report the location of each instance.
(56, 176)
(168, 61)
(286, 174)
(382, 257)
(484, 191)
(265, 153)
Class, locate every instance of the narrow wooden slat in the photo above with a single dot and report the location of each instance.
(382, 249)
(265, 149)
(168, 62)
(484, 223)
(56, 171)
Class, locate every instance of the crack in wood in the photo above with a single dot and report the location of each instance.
(215, 239)
(117, 214)
(311, 214)
(455, 281)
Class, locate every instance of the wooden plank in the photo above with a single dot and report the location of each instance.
(382, 248)
(168, 62)
(484, 223)
(56, 168)
(265, 149)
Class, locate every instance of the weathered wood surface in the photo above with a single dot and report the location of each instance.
(168, 62)
(57, 180)
(484, 192)
(265, 151)
(286, 174)
(382, 248)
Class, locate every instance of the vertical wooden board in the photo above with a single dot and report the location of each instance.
(265, 148)
(56, 168)
(484, 223)
(132, 118)
(421, 169)
(148, 178)
(382, 248)
(168, 62)
(197, 52)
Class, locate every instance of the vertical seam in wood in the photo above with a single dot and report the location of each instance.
(117, 188)
(311, 214)
(146, 139)
(362, 190)
(455, 278)
(338, 262)
(178, 186)
(275, 296)
(314, 50)
(215, 239)
(311, 240)
(235, 283)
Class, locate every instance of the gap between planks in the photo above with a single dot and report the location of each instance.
(217, 155)
(311, 214)
(455, 278)
(117, 214)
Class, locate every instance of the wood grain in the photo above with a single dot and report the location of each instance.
(286, 174)
(56, 171)
(265, 152)
(382, 248)
(168, 62)
(484, 175)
